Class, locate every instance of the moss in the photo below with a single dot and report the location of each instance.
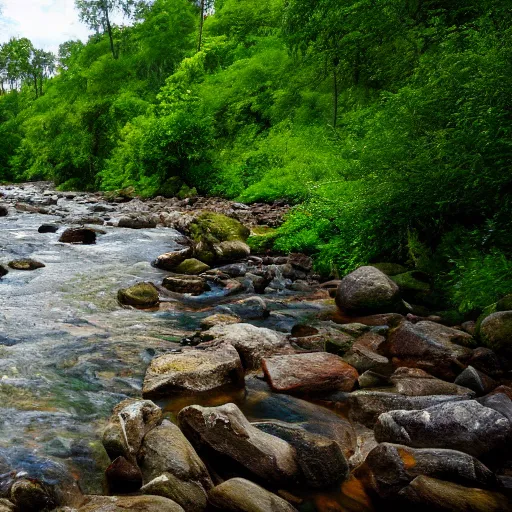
(262, 239)
(141, 294)
(192, 267)
(412, 281)
(390, 269)
(213, 228)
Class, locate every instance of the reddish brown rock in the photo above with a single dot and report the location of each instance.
(309, 373)
(84, 236)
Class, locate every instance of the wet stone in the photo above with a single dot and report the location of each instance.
(123, 477)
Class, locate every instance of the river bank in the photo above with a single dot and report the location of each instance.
(71, 352)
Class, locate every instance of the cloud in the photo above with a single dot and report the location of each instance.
(47, 23)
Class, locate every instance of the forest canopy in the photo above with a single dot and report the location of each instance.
(386, 123)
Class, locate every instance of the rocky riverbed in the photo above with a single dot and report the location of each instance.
(150, 362)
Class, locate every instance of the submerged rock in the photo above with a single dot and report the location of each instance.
(84, 236)
(309, 373)
(226, 434)
(26, 264)
(181, 283)
(367, 291)
(193, 371)
(240, 495)
(144, 295)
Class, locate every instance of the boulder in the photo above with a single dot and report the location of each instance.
(131, 420)
(416, 382)
(496, 331)
(189, 494)
(427, 345)
(414, 285)
(430, 494)
(233, 250)
(123, 477)
(390, 467)
(240, 495)
(4, 211)
(465, 426)
(172, 469)
(309, 373)
(132, 503)
(136, 223)
(143, 295)
(193, 371)
(363, 359)
(366, 406)
(191, 267)
(48, 228)
(85, 236)
(181, 283)
(321, 460)
(252, 343)
(234, 443)
(171, 260)
(366, 291)
(27, 264)
(473, 379)
(32, 496)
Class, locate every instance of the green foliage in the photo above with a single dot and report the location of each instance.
(386, 123)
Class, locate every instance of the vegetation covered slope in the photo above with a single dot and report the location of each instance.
(387, 122)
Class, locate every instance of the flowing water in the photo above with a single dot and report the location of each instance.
(69, 352)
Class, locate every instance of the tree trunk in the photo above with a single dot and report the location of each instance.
(110, 35)
(201, 25)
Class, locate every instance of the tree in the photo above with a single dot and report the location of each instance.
(97, 14)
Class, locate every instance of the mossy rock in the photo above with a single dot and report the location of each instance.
(26, 264)
(214, 228)
(413, 281)
(390, 269)
(505, 303)
(495, 331)
(262, 239)
(191, 267)
(143, 295)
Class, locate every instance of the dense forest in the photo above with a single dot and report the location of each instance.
(386, 123)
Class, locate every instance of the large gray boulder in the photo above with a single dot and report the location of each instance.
(227, 434)
(131, 420)
(171, 468)
(366, 406)
(194, 370)
(240, 495)
(367, 290)
(391, 467)
(465, 426)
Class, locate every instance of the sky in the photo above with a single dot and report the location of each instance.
(47, 23)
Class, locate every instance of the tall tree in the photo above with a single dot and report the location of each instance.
(97, 15)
